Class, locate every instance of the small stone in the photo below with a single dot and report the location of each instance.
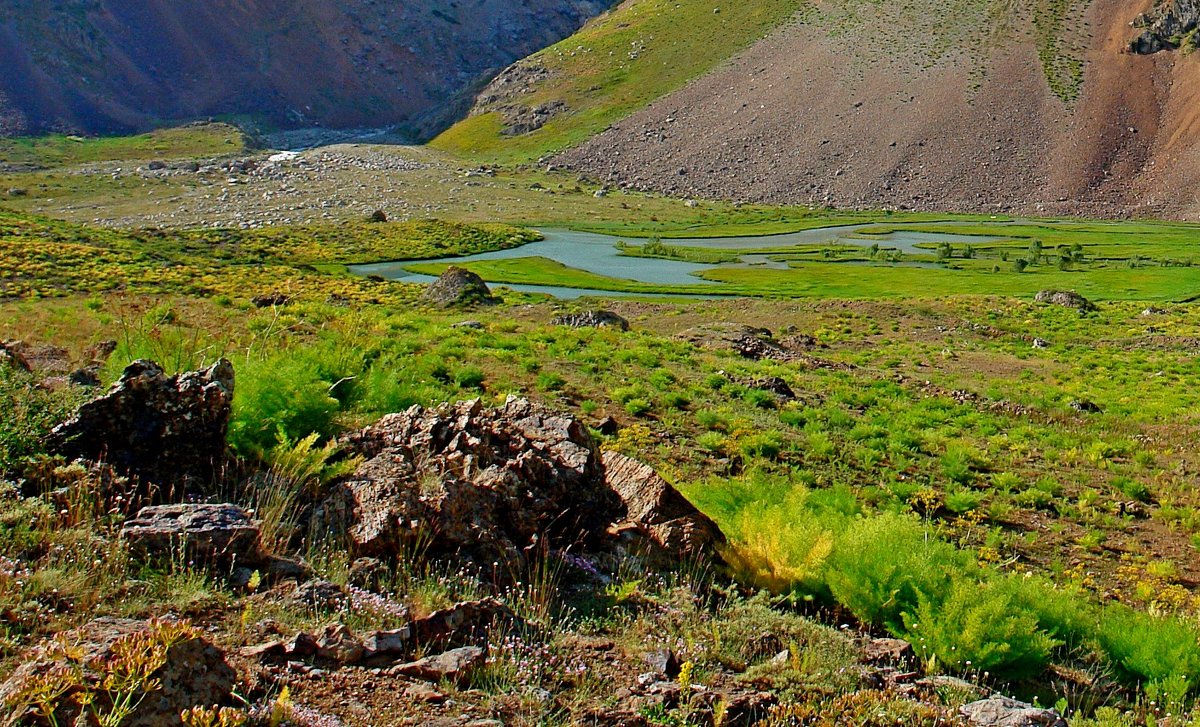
(423, 693)
(663, 661)
(454, 665)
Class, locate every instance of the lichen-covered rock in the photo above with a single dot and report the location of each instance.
(499, 486)
(453, 666)
(168, 430)
(457, 286)
(209, 533)
(193, 672)
(998, 711)
(1066, 299)
(592, 319)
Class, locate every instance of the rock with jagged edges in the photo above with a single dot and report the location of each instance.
(1066, 299)
(592, 319)
(504, 485)
(998, 711)
(211, 533)
(488, 484)
(168, 430)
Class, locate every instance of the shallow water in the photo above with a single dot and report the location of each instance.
(599, 254)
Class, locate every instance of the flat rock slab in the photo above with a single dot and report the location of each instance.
(205, 532)
(998, 711)
(454, 665)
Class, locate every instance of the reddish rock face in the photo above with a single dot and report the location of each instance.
(112, 65)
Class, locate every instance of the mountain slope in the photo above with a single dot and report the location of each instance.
(618, 63)
(109, 65)
(999, 110)
(1029, 106)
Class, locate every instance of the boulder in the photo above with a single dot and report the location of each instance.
(167, 430)
(674, 526)
(458, 286)
(1164, 25)
(194, 672)
(592, 319)
(998, 711)
(486, 484)
(209, 533)
(1066, 299)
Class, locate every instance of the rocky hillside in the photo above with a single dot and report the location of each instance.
(1036, 106)
(106, 65)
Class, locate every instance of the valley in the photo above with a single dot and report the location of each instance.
(778, 363)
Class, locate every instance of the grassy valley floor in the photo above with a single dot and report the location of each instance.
(1006, 484)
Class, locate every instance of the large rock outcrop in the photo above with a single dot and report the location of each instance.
(497, 486)
(167, 430)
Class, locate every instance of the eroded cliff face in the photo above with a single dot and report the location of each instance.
(115, 65)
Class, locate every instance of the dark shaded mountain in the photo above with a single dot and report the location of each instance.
(122, 65)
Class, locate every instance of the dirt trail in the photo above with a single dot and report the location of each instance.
(812, 116)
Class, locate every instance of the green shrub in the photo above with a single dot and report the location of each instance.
(1133, 489)
(279, 398)
(27, 414)
(978, 628)
(638, 407)
(766, 445)
(960, 501)
(759, 399)
(883, 566)
(1146, 648)
(549, 381)
(712, 420)
(1063, 613)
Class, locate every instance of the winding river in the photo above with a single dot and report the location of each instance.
(599, 254)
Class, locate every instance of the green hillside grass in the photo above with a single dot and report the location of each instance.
(618, 63)
(58, 150)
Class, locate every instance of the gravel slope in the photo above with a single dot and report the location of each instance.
(810, 115)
